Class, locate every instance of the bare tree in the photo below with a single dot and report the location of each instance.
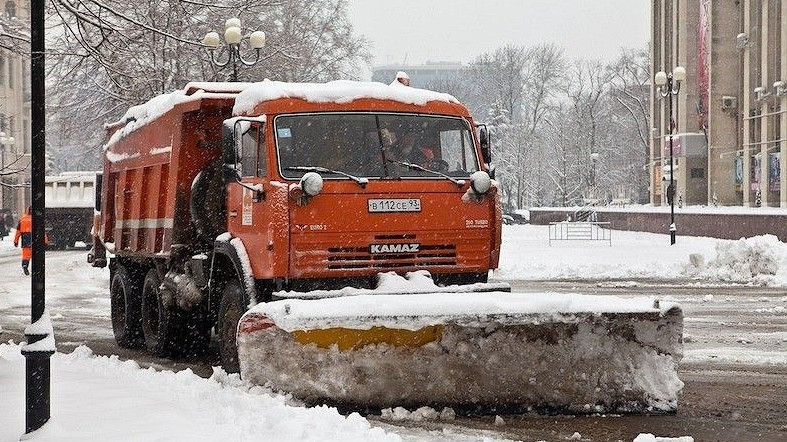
(586, 92)
(544, 76)
(630, 101)
(106, 56)
(498, 78)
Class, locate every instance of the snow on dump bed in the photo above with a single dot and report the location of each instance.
(363, 309)
(339, 91)
(140, 115)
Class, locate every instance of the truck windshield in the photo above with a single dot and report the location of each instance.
(375, 145)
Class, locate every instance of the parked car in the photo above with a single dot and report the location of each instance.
(514, 218)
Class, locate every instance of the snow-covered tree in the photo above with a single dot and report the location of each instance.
(630, 123)
(107, 56)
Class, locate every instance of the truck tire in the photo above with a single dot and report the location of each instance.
(170, 331)
(124, 292)
(155, 325)
(230, 311)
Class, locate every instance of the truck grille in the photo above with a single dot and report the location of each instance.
(360, 257)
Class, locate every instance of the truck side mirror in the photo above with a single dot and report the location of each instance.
(230, 141)
(230, 173)
(486, 152)
(492, 170)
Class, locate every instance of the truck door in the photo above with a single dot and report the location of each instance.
(257, 209)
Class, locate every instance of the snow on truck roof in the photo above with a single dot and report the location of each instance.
(339, 91)
(249, 95)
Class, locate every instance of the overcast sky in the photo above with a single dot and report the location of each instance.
(417, 31)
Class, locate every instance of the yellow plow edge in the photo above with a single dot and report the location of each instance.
(350, 339)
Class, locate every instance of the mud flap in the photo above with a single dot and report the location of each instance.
(550, 352)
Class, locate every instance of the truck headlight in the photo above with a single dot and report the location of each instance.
(311, 183)
(480, 182)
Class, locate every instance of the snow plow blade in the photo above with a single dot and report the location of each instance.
(478, 351)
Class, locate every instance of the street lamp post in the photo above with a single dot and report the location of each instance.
(5, 141)
(667, 86)
(233, 35)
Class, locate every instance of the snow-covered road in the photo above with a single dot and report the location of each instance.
(736, 338)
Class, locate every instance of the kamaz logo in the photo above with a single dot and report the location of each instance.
(394, 248)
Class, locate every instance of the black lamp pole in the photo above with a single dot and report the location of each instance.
(667, 86)
(671, 189)
(37, 358)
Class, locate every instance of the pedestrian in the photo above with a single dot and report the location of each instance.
(3, 227)
(24, 231)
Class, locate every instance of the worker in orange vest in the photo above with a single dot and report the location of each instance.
(24, 231)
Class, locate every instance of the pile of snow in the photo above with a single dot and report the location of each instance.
(759, 260)
(391, 283)
(103, 398)
(413, 312)
(647, 437)
(420, 414)
(614, 354)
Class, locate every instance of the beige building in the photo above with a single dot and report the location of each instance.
(730, 119)
(15, 137)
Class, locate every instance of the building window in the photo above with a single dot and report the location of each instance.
(2, 71)
(697, 172)
(25, 136)
(10, 73)
(10, 9)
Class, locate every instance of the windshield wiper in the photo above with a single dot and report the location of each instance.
(459, 183)
(361, 181)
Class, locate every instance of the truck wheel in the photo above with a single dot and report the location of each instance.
(125, 308)
(155, 324)
(170, 331)
(230, 311)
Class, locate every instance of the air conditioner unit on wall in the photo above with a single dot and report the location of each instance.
(761, 93)
(729, 102)
(780, 88)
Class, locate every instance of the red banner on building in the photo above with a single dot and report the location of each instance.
(676, 146)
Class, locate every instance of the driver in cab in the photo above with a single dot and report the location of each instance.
(404, 149)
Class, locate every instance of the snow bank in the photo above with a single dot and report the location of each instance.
(759, 260)
(103, 398)
(526, 254)
(647, 437)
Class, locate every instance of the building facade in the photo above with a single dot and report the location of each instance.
(15, 136)
(421, 76)
(730, 124)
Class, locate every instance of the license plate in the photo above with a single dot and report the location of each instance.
(395, 205)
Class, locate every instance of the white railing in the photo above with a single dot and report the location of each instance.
(580, 231)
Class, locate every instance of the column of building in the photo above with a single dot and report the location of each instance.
(782, 57)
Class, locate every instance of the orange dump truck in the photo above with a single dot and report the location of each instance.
(355, 212)
(296, 193)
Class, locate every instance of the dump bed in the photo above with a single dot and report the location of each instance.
(151, 158)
